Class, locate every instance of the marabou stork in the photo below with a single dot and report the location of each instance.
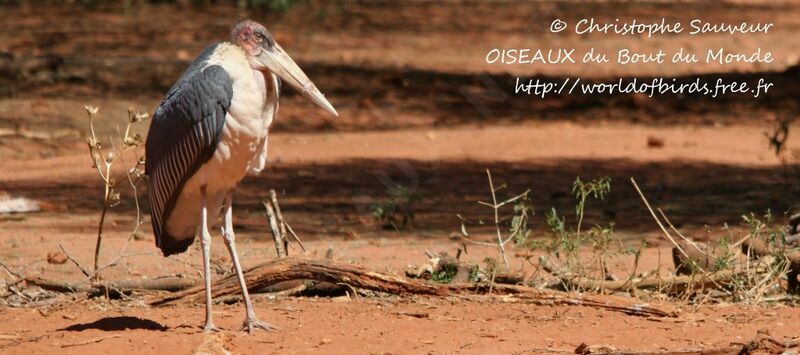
(207, 134)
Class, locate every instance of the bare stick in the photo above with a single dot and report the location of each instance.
(658, 221)
(14, 275)
(97, 156)
(106, 199)
(276, 232)
(279, 217)
(92, 341)
(294, 235)
(500, 246)
(666, 233)
(692, 242)
(85, 273)
(119, 257)
(168, 283)
(478, 242)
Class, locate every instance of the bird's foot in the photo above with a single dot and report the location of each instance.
(251, 323)
(210, 328)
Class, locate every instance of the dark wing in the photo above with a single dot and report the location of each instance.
(183, 135)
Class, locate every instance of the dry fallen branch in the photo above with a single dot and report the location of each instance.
(170, 284)
(91, 341)
(277, 236)
(551, 298)
(669, 285)
(295, 268)
(761, 344)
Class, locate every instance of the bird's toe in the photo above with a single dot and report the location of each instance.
(210, 328)
(251, 324)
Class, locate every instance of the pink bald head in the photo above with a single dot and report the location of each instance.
(251, 35)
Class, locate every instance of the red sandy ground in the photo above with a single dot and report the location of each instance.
(364, 325)
(712, 168)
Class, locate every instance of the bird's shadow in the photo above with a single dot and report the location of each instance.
(116, 324)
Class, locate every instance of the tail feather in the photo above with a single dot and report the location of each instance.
(168, 243)
(171, 245)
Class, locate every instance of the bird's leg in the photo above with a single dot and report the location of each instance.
(251, 321)
(205, 242)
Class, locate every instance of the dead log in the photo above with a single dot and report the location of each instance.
(761, 344)
(670, 285)
(552, 298)
(293, 268)
(167, 284)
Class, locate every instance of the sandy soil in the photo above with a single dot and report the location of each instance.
(346, 326)
(400, 89)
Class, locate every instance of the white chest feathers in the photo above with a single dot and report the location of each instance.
(243, 144)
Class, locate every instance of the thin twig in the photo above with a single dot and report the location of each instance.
(279, 217)
(692, 242)
(92, 341)
(15, 275)
(294, 235)
(671, 239)
(478, 243)
(85, 273)
(276, 232)
(101, 224)
(658, 221)
(500, 246)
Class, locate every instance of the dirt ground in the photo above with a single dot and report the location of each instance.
(393, 74)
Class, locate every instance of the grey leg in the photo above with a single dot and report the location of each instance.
(251, 320)
(205, 242)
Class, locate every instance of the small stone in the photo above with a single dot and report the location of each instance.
(57, 258)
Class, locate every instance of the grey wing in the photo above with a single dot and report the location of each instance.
(183, 135)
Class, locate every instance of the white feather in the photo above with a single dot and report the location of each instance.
(242, 148)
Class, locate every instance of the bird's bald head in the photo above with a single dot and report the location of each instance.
(252, 37)
(265, 55)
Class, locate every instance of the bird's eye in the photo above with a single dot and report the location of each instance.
(259, 37)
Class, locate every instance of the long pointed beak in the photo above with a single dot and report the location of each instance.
(280, 64)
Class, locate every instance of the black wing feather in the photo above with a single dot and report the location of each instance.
(183, 135)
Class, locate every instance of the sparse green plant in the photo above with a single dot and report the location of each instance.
(565, 242)
(445, 274)
(597, 188)
(726, 258)
(717, 272)
(519, 231)
(474, 273)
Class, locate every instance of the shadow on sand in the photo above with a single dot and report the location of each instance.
(110, 324)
